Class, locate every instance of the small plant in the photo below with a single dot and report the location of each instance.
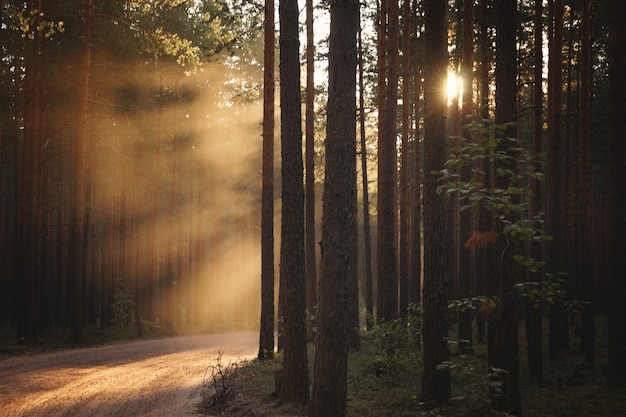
(123, 306)
(396, 344)
(221, 380)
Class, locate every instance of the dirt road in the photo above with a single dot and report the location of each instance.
(161, 377)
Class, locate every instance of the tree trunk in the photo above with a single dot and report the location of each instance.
(387, 179)
(405, 201)
(586, 269)
(555, 175)
(617, 173)
(435, 382)
(338, 222)
(29, 246)
(466, 272)
(266, 332)
(534, 333)
(367, 239)
(503, 349)
(416, 196)
(484, 219)
(78, 209)
(295, 385)
(310, 244)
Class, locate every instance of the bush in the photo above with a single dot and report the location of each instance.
(123, 306)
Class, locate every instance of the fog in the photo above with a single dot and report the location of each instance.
(175, 163)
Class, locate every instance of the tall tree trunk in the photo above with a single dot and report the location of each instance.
(310, 244)
(466, 272)
(555, 175)
(534, 334)
(435, 382)
(405, 201)
(78, 210)
(503, 349)
(338, 219)
(416, 201)
(295, 386)
(367, 239)
(266, 338)
(484, 219)
(586, 269)
(617, 191)
(28, 248)
(387, 179)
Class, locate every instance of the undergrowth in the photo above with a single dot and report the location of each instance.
(384, 380)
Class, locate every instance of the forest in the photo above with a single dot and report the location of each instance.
(321, 171)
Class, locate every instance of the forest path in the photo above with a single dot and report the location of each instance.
(158, 377)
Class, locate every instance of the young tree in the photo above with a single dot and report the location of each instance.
(295, 386)
(338, 219)
(266, 332)
(435, 381)
(617, 191)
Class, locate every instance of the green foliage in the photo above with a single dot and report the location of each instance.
(508, 206)
(506, 154)
(123, 305)
(395, 343)
(30, 22)
(549, 292)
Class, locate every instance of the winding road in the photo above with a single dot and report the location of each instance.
(159, 377)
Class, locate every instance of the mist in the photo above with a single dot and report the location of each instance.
(173, 191)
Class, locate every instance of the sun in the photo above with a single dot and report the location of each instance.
(454, 87)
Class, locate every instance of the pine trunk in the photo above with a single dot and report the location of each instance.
(435, 381)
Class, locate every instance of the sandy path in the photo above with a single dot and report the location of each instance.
(160, 377)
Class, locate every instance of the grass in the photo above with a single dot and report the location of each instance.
(384, 380)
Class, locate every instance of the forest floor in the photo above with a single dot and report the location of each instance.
(218, 375)
(384, 381)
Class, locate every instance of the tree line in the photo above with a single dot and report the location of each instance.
(118, 166)
(507, 189)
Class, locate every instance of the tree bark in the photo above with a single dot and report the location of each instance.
(503, 348)
(310, 244)
(534, 333)
(405, 203)
(585, 200)
(338, 222)
(415, 280)
(387, 178)
(617, 173)
(466, 271)
(367, 239)
(295, 385)
(435, 382)
(555, 175)
(266, 331)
